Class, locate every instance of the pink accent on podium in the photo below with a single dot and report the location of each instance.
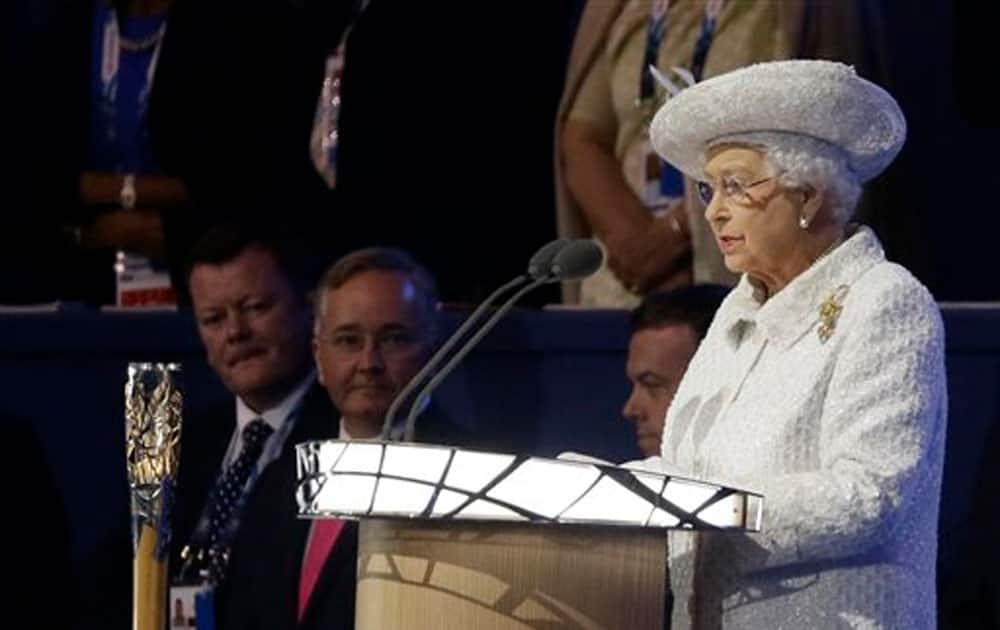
(322, 538)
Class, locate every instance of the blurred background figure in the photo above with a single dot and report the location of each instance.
(97, 184)
(609, 182)
(444, 152)
(39, 549)
(665, 330)
(147, 122)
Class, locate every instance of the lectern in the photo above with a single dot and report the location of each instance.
(452, 538)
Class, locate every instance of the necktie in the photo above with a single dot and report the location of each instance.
(322, 538)
(229, 492)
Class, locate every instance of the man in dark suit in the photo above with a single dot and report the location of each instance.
(249, 289)
(375, 326)
(249, 294)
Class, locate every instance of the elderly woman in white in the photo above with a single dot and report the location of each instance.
(821, 382)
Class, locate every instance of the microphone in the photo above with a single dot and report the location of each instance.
(539, 265)
(541, 262)
(577, 259)
(581, 258)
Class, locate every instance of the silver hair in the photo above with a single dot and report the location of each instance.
(385, 259)
(803, 160)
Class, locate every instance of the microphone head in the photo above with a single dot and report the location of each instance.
(579, 259)
(540, 264)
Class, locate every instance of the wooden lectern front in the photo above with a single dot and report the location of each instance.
(458, 539)
(441, 574)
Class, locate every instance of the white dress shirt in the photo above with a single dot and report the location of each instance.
(276, 417)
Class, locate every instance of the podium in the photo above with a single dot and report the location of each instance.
(452, 538)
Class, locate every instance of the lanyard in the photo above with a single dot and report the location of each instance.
(655, 34)
(701, 47)
(111, 45)
(271, 451)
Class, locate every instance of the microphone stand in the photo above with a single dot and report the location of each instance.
(439, 356)
(421, 399)
(539, 266)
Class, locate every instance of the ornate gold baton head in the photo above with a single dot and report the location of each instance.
(153, 405)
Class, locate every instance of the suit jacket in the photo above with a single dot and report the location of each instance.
(263, 584)
(103, 595)
(212, 431)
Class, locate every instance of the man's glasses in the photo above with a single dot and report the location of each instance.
(732, 189)
(352, 342)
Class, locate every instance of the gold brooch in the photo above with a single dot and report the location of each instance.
(829, 313)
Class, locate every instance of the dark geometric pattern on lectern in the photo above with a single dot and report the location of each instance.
(312, 480)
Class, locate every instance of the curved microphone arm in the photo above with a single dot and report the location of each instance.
(420, 400)
(439, 355)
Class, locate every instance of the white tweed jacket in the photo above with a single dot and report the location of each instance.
(842, 433)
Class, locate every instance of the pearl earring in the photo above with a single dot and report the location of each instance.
(804, 222)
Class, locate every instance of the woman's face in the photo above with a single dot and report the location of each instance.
(754, 218)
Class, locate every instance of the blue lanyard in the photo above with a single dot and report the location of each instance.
(655, 34)
(704, 43)
(271, 451)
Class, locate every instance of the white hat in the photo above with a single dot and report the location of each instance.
(823, 100)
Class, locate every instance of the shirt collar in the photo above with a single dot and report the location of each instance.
(275, 416)
(794, 310)
(395, 433)
(342, 433)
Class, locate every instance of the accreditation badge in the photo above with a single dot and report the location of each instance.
(660, 185)
(191, 606)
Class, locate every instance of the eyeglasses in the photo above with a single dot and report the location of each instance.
(386, 342)
(732, 189)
